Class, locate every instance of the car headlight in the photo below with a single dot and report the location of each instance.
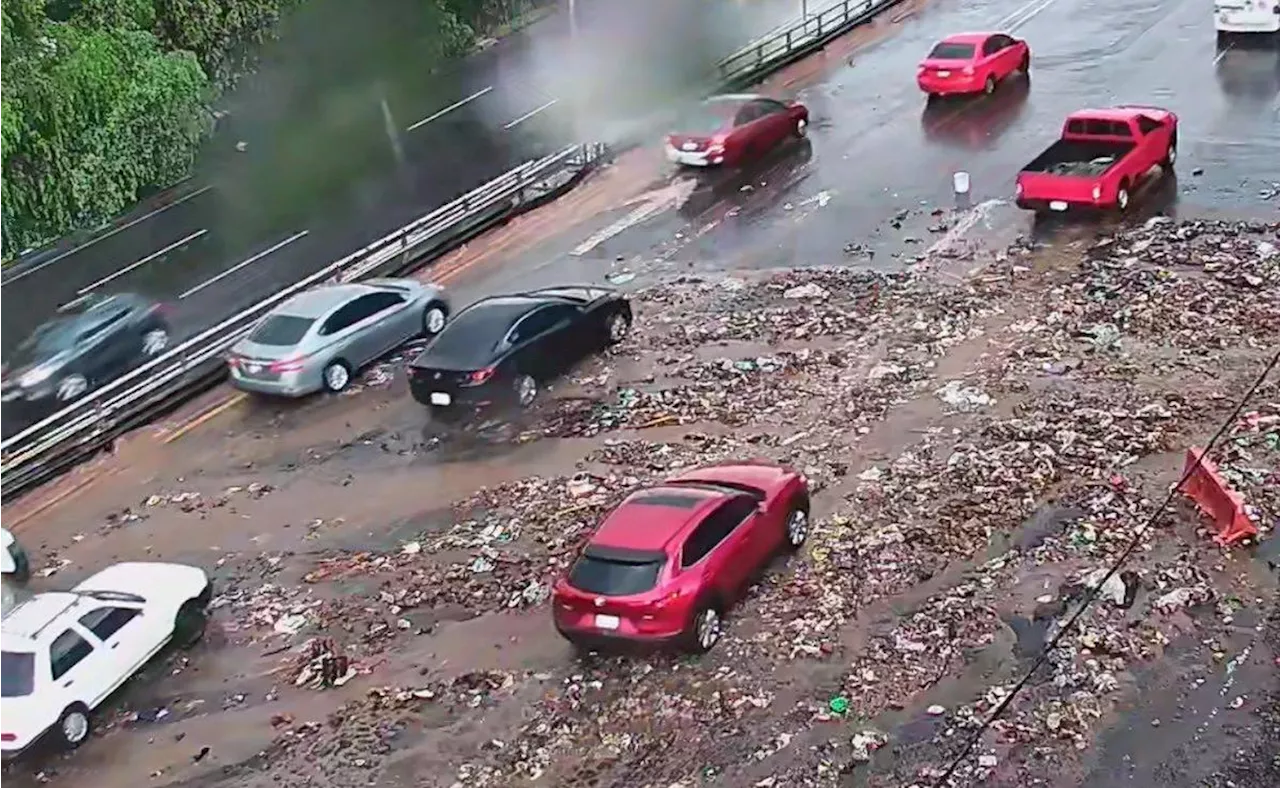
(1097, 192)
(36, 376)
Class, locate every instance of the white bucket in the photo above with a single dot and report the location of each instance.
(960, 182)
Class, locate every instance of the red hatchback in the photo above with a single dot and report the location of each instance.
(728, 130)
(669, 562)
(972, 63)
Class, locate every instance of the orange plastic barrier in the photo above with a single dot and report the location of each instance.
(1215, 498)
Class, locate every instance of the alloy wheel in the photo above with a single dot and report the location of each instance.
(336, 377)
(797, 527)
(155, 341)
(709, 629)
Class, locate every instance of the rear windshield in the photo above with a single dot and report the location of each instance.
(17, 673)
(469, 340)
(946, 51)
(705, 120)
(614, 578)
(281, 330)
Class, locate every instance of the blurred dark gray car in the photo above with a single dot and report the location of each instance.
(92, 341)
(318, 339)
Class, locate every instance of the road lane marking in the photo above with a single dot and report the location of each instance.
(528, 115)
(449, 108)
(142, 262)
(1029, 15)
(105, 236)
(1223, 53)
(243, 263)
(206, 416)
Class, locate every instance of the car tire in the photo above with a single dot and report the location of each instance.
(1171, 155)
(434, 317)
(802, 128)
(706, 628)
(525, 390)
(1025, 64)
(989, 86)
(336, 375)
(189, 624)
(155, 341)
(616, 327)
(72, 387)
(74, 726)
(796, 527)
(1122, 197)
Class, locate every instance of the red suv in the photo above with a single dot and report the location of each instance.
(667, 564)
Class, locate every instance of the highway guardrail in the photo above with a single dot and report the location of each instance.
(89, 425)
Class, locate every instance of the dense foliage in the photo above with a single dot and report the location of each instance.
(107, 100)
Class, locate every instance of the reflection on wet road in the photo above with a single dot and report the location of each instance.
(882, 157)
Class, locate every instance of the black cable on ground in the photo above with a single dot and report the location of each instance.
(1093, 593)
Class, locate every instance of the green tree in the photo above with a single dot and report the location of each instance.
(94, 116)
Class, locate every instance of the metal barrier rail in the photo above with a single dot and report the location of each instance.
(65, 437)
(28, 456)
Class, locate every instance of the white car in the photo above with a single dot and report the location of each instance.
(65, 652)
(13, 559)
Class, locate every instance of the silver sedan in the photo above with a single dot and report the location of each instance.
(318, 339)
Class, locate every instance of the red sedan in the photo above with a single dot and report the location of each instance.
(729, 130)
(972, 63)
(669, 562)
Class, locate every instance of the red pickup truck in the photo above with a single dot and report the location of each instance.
(1101, 158)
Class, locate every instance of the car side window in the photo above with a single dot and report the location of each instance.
(106, 621)
(105, 324)
(384, 301)
(349, 314)
(747, 114)
(542, 320)
(714, 529)
(990, 46)
(1147, 125)
(766, 107)
(67, 651)
(1001, 43)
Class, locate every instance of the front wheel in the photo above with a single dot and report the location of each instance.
(433, 318)
(1025, 65)
(73, 726)
(989, 86)
(526, 390)
(616, 327)
(1122, 198)
(1171, 155)
(72, 387)
(802, 128)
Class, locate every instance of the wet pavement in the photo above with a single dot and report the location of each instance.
(878, 166)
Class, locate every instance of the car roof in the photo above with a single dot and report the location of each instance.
(29, 617)
(1112, 113)
(650, 519)
(319, 301)
(967, 38)
(733, 98)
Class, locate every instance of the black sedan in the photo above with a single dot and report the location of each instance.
(500, 349)
(91, 341)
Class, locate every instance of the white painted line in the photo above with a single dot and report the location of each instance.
(1223, 53)
(450, 108)
(143, 261)
(104, 236)
(528, 115)
(1028, 16)
(243, 263)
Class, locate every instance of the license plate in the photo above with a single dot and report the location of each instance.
(1057, 205)
(607, 622)
(440, 398)
(253, 368)
(689, 146)
(944, 73)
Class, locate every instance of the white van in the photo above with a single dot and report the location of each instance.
(1246, 16)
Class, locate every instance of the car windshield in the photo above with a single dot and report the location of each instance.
(17, 673)
(949, 51)
(704, 120)
(614, 577)
(48, 340)
(281, 330)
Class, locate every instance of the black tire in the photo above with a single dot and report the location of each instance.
(695, 640)
(617, 325)
(524, 390)
(989, 86)
(332, 380)
(1171, 155)
(189, 624)
(76, 711)
(1123, 198)
(1025, 65)
(799, 509)
(428, 319)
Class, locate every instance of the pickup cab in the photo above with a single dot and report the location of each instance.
(1100, 160)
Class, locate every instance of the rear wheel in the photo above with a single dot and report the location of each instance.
(1171, 155)
(617, 326)
(155, 340)
(73, 726)
(189, 624)
(526, 390)
(337, 375)
(989, 86)
(434, 317)
(706, 628)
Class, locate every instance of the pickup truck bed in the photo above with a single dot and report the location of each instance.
(1079, 158)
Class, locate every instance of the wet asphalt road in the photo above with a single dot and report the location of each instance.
(506, 106)
(877, 151)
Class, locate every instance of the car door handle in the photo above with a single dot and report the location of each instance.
(68, 682)
(115, 645)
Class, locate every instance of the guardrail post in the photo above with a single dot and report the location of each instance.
(759, 55)
(789, 39)
(845, 7)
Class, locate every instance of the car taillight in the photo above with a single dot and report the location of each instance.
(8, 737)
(480, 376)
(1097, 191)
(967, 70)
(287, 365)
(668, 599)
(1017, 189)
